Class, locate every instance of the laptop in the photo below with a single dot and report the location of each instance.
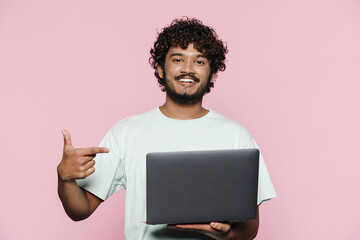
(201, 186)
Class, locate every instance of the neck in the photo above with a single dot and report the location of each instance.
(180, 111)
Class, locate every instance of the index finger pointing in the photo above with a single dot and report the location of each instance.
(93, 150)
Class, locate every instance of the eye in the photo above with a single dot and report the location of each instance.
(177, 60)
(200, 62)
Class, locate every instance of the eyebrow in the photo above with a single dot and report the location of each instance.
(180, 55)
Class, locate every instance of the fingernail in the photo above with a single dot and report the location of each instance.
(213, 224)
(107, 150)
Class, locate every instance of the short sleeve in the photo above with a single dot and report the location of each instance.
(109, 175)
(266, 189)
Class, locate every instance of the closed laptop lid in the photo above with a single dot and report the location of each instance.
(201, 186)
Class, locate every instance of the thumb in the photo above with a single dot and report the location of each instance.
(222, 227)
(67, 139)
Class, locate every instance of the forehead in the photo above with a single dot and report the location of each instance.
(189, 51)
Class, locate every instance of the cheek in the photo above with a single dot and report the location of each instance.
(204, 71)
(170, 70)
(206, 76)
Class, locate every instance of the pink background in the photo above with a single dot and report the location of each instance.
(292, 79)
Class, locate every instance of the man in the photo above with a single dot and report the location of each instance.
(186, 58)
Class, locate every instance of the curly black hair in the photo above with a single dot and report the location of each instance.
(180, 33)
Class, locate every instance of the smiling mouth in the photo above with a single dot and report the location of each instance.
(186, 80)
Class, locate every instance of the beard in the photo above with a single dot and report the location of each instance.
(186, 98)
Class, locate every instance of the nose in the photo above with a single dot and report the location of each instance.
(187, 67)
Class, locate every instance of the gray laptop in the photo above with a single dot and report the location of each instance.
(201, 186)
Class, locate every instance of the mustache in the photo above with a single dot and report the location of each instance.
(187, 75)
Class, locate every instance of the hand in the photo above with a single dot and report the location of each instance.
(77, 163)
(212, 229)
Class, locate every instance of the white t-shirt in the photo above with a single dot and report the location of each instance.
(124, 166)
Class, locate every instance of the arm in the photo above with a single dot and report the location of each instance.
(78, 203)
(76, 164)
(241, 230)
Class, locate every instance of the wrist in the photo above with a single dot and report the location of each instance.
(61, 176)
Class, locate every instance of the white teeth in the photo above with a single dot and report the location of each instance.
(186, 80)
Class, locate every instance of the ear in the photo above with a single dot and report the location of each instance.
(213, 78)
(160, 71)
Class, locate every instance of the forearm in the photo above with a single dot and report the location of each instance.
(74, 200)
(77, 163)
